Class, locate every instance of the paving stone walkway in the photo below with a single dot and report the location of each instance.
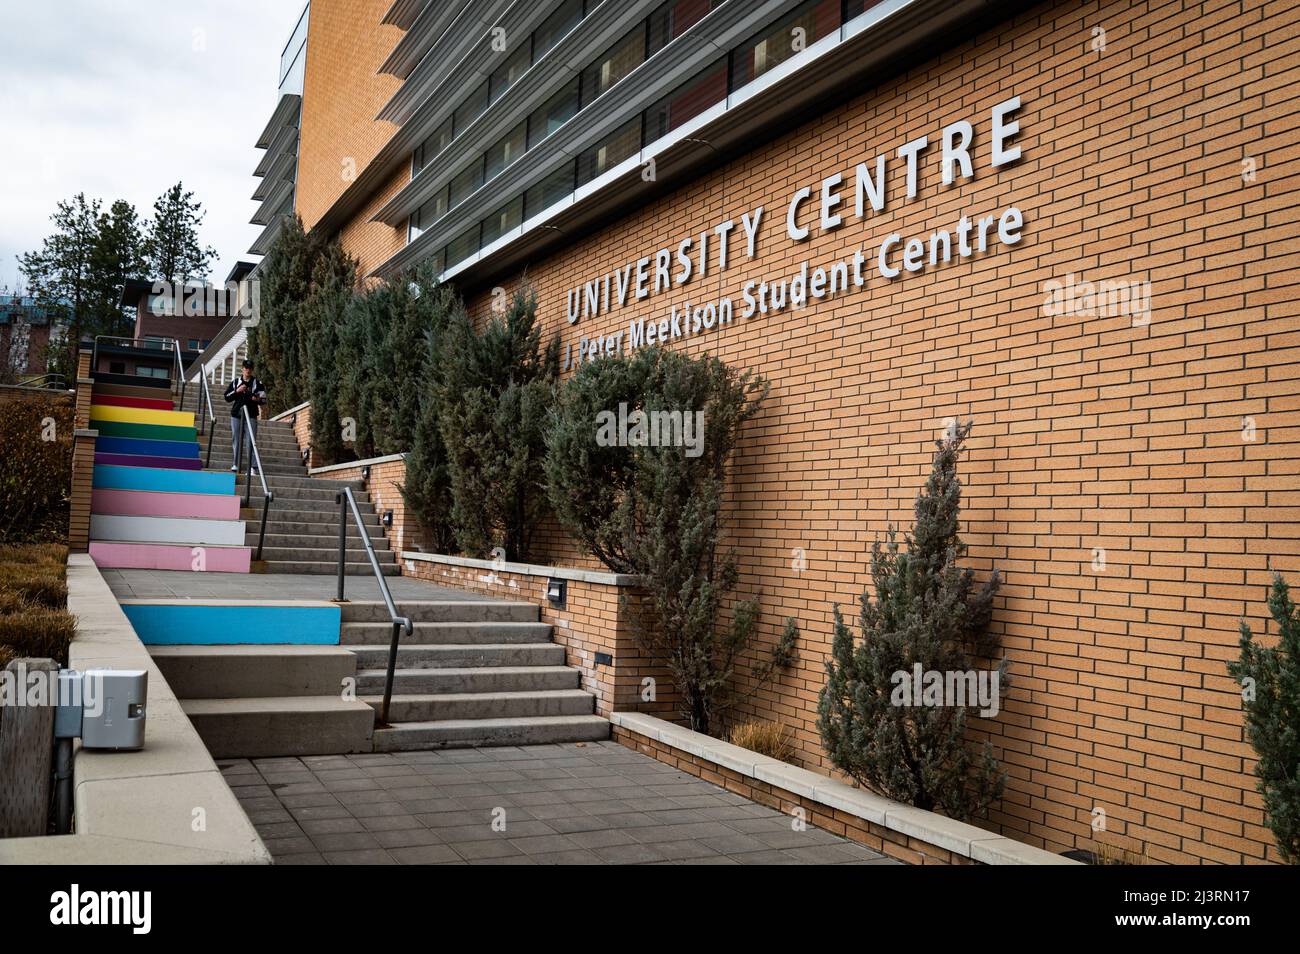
(598, 803)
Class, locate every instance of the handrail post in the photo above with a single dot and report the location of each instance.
(343, 538)
(392, 666)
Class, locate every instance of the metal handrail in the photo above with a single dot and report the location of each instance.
(180, 369)
(347, 501)
(162, 345)
(45, 381)
(211, 418)
(254, 459)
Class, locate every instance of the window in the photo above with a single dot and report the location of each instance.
(465, 183)
(686, 102)
(117, 367)
(505, 75)
(673, 19)
(555, 26)
(507, 149)
(463, 246)
(438, 140)
(194, 344)
(508, 217)
(427, 214)
(144, 371)
(553, 114)
(783, 40)
(619, 60)
(558, 185)
(610, 151)
(470, 110)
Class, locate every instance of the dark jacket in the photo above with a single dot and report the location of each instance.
(255, 395)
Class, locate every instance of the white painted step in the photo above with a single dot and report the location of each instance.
(191, 530)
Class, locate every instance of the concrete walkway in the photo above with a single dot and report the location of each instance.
(592, 803)
(173, 584)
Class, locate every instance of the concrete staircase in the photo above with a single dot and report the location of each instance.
(302, 527)
(473, 673)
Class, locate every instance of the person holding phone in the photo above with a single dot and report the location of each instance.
(245, 391)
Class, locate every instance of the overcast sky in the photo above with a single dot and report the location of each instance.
(122, 98)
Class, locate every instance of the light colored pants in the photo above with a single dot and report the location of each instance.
(237, 438)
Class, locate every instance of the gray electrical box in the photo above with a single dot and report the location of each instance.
(113, 713)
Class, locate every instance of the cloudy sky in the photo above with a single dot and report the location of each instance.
(122, 98)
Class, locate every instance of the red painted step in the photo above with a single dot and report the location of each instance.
(113, 400)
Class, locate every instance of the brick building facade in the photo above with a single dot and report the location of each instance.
(1125, 344)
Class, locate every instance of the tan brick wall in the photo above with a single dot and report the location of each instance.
(342, 94)
(1089, 432)
(373, 243)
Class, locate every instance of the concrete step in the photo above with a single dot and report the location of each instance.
(315, 535)
(311, 496)
(319, 568)
(442, 611)
(272, 472)
(379, 634)
(326, 555)
(485, 705)
(265, 727)
(229, 672)
(471, 680)
(461, 655)
(313, 543)
(466, 733)
(301, 482)
(286, 511)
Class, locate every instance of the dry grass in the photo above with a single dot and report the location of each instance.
(34, 621)
(766, 738)
(1104, 854)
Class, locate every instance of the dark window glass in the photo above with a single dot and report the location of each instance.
(432, 210)
(687, 101)
(674, 18)
(783, 40)
(463, 246)
(508, 73)
(438, 140)
(554, 27)
(558, 185)
(610, 151)
(470, 110)
(117, 367)
(507, 149)
(466, 183)
(855, 8)
(553, 114)
(508, 217)
(619, 60)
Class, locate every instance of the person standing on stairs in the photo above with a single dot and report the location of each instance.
(245, 391)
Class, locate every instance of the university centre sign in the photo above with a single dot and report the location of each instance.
(857, 195)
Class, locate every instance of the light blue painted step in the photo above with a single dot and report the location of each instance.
(142, 529)
(164, 479)
(227, 622)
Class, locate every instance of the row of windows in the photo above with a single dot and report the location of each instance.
(773, 45)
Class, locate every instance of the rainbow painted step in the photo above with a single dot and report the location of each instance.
(113, 554)
(150, 404)
(148, 448)
(139, 460)
(231, 622)
(115, 477)
(148, 432)
(139, 415)
(193, 531)
(148, 503)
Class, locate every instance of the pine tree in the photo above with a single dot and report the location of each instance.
(1270, 681)
(321, 319)
(171, 242)
(116, 257)
(274, 344)
(495, 391)
(657, 512)
(925, 610)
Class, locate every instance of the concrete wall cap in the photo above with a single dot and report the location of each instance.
(352, 464)
(958, 837)
(600, 577)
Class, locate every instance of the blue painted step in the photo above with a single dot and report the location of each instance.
(218, 623)
(116, 477)
(147, 448)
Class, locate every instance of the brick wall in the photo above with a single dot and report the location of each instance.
(1172, 446)
(342, 94)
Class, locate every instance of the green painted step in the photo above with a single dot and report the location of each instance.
(151, 432)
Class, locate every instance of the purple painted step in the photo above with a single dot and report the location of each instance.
(138, 460)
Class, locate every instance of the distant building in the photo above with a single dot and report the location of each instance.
(191, 316)
(25, 330)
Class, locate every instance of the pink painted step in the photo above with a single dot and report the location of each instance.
(152, 503)
(168, 556)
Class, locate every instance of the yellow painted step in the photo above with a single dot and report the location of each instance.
(140, 415)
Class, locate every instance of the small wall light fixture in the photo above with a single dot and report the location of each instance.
(604, 659)
(556, 592)
(387, 519)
